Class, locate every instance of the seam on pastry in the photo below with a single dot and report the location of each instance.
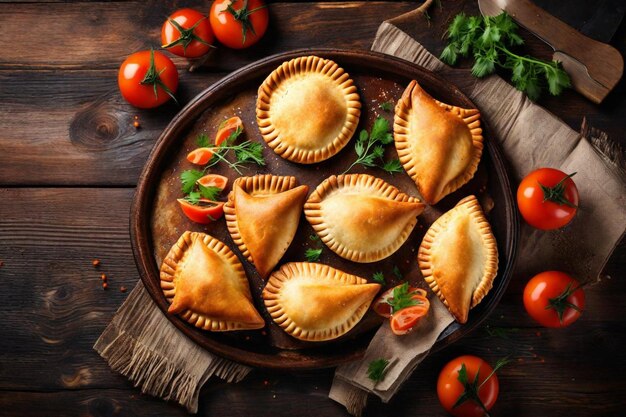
(272, 295)
(362, 182)
(168, 275)
(295, 67)
(472, 207)
(255, 185)
(471, 118)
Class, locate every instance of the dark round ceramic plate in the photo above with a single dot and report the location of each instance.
(156, 222)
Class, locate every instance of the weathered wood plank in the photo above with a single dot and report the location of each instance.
(103, 34)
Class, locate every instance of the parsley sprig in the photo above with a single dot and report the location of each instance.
(377, 369)
(312, 254)
(402, 298)
(245, 152)
(370, 148)
(488, 39)
(379, 277)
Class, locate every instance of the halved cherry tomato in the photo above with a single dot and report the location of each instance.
(547, 198)
(213, 180)
(239, 23)
(406, 319)
(450, 389)
(147, 79)
(188, 33)
(227, 128)
(200, 156)
(204, 213)
(381, 305)
(554, 299)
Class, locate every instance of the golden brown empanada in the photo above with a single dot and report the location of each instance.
(439, 145)
(307, 109)
(459, 257)
(207, 285)
(360, 217)
(262, 215)
(316, 302)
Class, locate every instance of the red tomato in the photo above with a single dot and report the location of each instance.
(547, 198)
(554, 299)
(200, 156)
(213, 180)
(406, 319)
(141, 72)
(188, 33)
(449, 388)
(227, 128)
(204, 213)
(242, 24)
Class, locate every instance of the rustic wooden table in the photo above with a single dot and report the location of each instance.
(70, 158)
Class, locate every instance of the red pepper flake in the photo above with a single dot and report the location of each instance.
(95, 263)
(122, 289)
(103, 277)
(105, 285)
(1, 264)
(538, 334)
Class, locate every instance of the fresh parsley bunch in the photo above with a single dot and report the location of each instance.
(488, 40)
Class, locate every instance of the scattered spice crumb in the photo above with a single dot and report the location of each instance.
(105, 285)
(95, 263)
(264, 333)
(538, 334)
(247, 337)
(266, 382)
(136, 124)
(274, 396)
(1, 264)
(103, 277)
(122, 289)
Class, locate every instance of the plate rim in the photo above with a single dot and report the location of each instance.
(144, 193)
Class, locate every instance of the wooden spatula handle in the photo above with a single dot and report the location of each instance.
(604, 63)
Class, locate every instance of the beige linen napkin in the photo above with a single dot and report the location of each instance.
(531, 138)
(143, 345)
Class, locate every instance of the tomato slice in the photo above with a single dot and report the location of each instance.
(227, 128)
(404, 320)
(203, 213)
(213, 180)
(382, 307)
(200, 156)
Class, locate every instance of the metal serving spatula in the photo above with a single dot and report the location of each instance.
(594, 67)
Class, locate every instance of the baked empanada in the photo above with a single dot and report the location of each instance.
(316, 302)
(262, 216)
(360, 217)
(459, 257)
(439, 145)
(307, 109)
(207, 285)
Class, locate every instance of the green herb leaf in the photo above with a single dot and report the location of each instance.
(203, 141)
(377, 369)
(397, 273)
(386, 106)
(402, 298)
(313, 255)
(392, 166)
(210, 193)
(379, 277)
(371, 147)
(189, 178)
(250, 152)
(314, 238)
